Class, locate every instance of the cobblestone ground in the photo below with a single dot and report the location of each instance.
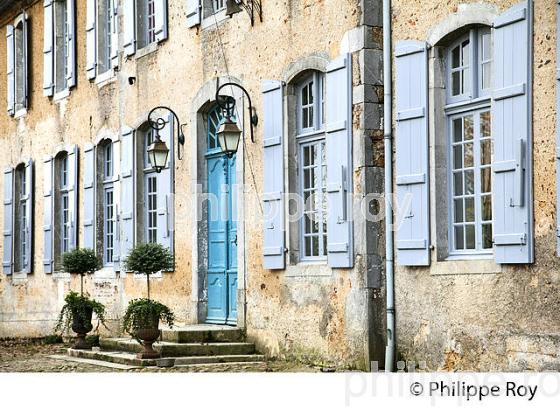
(33, 356)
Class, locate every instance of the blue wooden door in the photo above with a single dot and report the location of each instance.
(222, 230)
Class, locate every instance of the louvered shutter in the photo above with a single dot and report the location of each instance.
(26, 59)
(558, 128)
(194, 11)
(10, 49)
(7, 261)
(89, 197)
(115, 34)
(28, 229)
(129, 16)
(339, 162)
(73, 168)
(48, 48)
(48, 196)
(165, 198)
(161, 19)
(91, 39)
(71, 62)
(511, 132)
(273, 170)
(128, 197)
(413, 216)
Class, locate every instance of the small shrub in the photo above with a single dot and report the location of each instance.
(80, 261)
(149, 258)
(92, 340)
(78, 304)
(140, 313)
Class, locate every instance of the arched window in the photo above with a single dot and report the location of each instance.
(106, 197)
(468, 81)
(147, 189)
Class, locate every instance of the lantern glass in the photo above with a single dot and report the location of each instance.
(229, 135)
(157, 155)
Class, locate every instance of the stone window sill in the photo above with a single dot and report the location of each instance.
(481, 265)
(147, 50)
(212, 20)
(308, 269)
(61, 95)
(106, 78)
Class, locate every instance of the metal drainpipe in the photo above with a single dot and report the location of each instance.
(388, 144)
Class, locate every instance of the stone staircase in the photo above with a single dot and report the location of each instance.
(184, 346)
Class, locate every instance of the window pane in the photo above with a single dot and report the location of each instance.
(458, 183)
(486, 76)
(470, 237)
(307, 241)
(487, 208)
(469, 209)
(485, 152)
(458, 130)
(456, 83)
(304, 99)
(487, 236)
(485, 180)
(469, 182)
(485, 124)
(465, 53)
(469, 155)
(456, 57)
(459, 240)
(457, 157)
(468, 121)
(458, 210)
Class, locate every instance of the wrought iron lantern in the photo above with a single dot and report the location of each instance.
(229, 133)
(158, 152)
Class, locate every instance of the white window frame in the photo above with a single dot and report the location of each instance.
(313, 135)
(145, 23)
(471, 103)
(149, 178)
(20, 219)
(108, 212)
(61, 61)
(65, 219)
(20, 72)
(104, 31)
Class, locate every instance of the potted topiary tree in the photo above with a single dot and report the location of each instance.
(78, 310)
(142, 316)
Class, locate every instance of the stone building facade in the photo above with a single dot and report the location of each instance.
(82, 77)
(467, 298)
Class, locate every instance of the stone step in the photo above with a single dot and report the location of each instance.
(129, 359)
(170, 349)
(202, 334)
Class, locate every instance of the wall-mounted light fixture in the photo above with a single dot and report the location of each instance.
(229, 133)
(158, 150)
(252, 7)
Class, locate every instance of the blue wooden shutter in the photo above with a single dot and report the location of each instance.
(73, 167)
(165, 198)
(511, 133)
(48, 214)
(194, 12)
(91, 39)
(273, 169)
(48, 48)
(161, 19)
(10, 49)
(89, 197)
(115, 34)
(28, 262)
(340, 249)
(71, 62)
(7, 261)
(128, 197)
(413, 216)
(129, 33)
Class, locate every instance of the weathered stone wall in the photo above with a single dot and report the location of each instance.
(303, 316)
(477, 315)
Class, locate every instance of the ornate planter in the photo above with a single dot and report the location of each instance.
(81, 325)
(148, 334)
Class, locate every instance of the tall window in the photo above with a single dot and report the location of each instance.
(20, 66)
(312, 168)
(150, 189)
(146, 22)
(470, 142)
(20, 220)
(219, 5)
(62, 47)
(108, 203)
(104, 33)
(64, 206)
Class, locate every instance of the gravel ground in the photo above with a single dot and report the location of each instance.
(33, 356)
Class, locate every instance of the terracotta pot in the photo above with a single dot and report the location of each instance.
(81, 325)
(148, 334)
